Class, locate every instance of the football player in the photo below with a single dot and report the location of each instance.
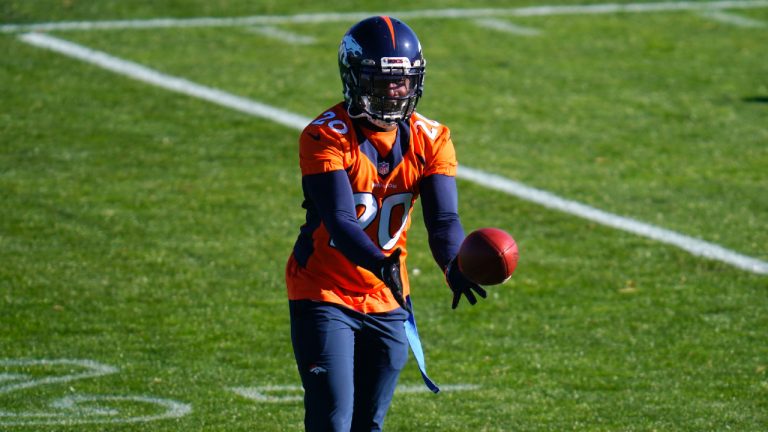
(364, 162)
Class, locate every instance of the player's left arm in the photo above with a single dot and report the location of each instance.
(440, 207)
(438, 191)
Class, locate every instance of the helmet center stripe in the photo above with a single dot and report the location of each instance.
(391, 30)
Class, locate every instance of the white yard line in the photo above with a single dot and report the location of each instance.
(733, 19)
(279, 34)
(295, 393)
(142, 73)
(547, 199)
(506, 27)
(168, 82)
(354, 16)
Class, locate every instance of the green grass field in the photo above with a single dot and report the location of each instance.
(143, 233)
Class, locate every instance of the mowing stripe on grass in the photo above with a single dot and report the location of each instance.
(354, 16)
(142, 73)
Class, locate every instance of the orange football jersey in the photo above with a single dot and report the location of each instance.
(384, 170)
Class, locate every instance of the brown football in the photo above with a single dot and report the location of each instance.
(488, 256)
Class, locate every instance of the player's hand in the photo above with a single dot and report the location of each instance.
(459, 284)
(389, 273)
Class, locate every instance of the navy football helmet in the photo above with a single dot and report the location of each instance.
(382, 69)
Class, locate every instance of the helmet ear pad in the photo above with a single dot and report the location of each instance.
(375, 53)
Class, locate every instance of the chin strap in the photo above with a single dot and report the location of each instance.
(364, 115)
(412, 333)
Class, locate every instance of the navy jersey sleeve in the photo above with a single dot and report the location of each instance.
(440, 204)
(331, 195)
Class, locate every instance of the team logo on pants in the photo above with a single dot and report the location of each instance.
(317, 370)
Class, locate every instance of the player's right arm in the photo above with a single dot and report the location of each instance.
(331, 195)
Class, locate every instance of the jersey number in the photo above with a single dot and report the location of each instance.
(385, 239)
(430, 131)
(337, 125)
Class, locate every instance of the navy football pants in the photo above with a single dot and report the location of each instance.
(349, 363)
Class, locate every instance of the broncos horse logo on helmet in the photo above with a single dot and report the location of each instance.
(376, 53)
(349, 45)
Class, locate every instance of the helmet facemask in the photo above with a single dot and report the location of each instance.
(389, 96)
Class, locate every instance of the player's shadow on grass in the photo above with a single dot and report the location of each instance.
(756, 99)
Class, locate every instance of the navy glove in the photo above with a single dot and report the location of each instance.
(459, 284)
(389, 273)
